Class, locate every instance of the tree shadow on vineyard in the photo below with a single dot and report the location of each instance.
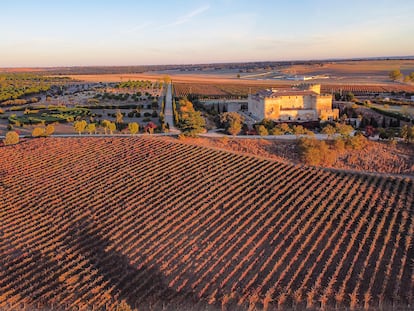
(140, 287)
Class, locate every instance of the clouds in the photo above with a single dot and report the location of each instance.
(189, 16)
(157, 27)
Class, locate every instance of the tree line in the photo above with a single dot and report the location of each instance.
(16, 85)
(397, 75)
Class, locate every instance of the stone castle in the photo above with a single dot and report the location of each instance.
(302, 103)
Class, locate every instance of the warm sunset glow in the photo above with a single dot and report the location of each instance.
(66, 33)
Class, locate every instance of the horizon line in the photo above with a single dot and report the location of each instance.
(401, 57)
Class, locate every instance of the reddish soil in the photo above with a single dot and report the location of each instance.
(376, 157)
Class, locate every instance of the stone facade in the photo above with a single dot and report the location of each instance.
(304, 103)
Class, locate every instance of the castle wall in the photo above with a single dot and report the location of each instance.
(256, 107)
(298, 115)
(291, 107)
(324, 102)
(329, 114)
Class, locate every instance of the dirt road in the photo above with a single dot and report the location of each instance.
(168, 114)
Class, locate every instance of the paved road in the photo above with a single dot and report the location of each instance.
(168, 114)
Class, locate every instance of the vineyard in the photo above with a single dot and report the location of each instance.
(224, 89)
(184, 89)
(366, 89)
(154, 223)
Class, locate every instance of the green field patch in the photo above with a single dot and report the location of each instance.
(56, 114)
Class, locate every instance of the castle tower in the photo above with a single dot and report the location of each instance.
(311, 87)
(315, 88)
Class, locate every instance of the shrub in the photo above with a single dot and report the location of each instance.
(315, 152)
(284, 127)
(339, 144)
(276, 131)
(357, 142)
(299, 130)
(262, 130)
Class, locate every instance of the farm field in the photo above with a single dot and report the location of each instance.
(243, 89)
(158, 224)
(192, 80)
(358, 76)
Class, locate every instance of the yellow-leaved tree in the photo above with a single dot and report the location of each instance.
(111, 127)
(49, 130)
(11, 138)
(91, 128)
(80, 126)
(133, 128)
(38, 132)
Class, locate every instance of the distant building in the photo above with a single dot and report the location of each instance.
(304, 103)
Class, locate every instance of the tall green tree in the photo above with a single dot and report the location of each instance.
(192, 123)
(232, 122)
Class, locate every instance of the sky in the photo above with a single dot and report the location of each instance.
(39, 33)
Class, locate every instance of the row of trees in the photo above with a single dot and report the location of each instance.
(16, 85)
(43, 131)
(397, 75)
(122, 97)
(133, 127)
(268, 127)
(12, 137)
(139, 84)
(232, 122)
